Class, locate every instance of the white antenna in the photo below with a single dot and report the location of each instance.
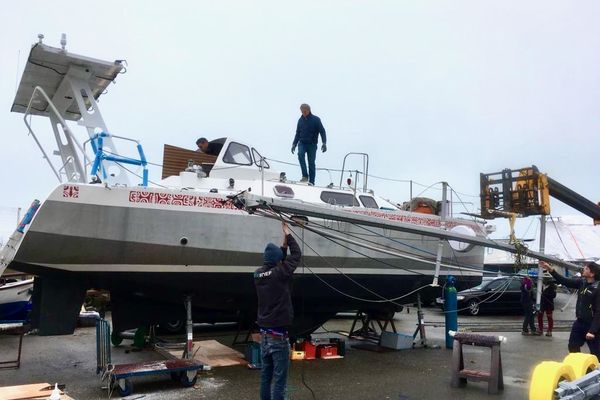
(40, 38)
(63, 41)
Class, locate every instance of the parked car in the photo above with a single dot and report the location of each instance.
(500, 295)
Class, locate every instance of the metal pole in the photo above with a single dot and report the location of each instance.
(18, 216)
(410, 193)
(190, 328)
(538, 296)
(262, 177)
(440, 249)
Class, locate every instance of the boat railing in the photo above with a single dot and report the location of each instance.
(365, 158)
(72, 168)
(101, 155)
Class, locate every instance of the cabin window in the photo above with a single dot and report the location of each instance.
(284, 191)
(237, 153)
(257, 158)
(339, 199)
(368, 202)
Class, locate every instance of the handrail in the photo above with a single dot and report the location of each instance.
(62, 121)
(365, 166)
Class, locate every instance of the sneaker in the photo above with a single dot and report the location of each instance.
(311, 184)
(525, 333)
(549, 334)
(304, 179)
(537, 333)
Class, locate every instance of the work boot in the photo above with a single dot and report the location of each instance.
(304, 179)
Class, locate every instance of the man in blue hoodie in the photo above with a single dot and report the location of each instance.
(275, 314)
(307, 139)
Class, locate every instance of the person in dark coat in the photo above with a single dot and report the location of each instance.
(586, 328)
(275, 314)
(307, 139)
(547, 306)
(211, 148)
(527, 304)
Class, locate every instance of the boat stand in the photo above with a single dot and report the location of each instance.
(420, 330)
(371, 326)
(184, 370)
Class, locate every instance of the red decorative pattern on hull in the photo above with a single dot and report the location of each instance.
(188, 200)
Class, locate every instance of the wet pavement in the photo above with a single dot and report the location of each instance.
(422, 373)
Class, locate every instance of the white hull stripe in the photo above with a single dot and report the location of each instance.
(230, 269)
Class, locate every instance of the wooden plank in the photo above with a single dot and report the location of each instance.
(175, 159)
(210, 352)
(22, 392)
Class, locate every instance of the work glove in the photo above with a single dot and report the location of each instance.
(324, 148)
(293, 149)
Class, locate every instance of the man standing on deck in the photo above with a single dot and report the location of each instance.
(275, 314)
(307, 139)
(586, 327)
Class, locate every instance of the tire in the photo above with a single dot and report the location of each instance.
(127, 390)
(139, 338)
(173, 327)
(473, 307)
(546, 377)
(115, 338)
(185, 380)
(176, 376)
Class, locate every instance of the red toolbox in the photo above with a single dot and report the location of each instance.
(327, 351)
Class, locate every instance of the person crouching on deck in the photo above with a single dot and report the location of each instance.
(275, 314)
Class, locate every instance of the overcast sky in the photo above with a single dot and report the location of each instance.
(432, 91)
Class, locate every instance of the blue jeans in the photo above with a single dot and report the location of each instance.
(310, 149)
(275, 354)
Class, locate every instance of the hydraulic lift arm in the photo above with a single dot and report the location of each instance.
(527, 192)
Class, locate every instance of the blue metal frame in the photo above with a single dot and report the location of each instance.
(196, 367)
(97, 144)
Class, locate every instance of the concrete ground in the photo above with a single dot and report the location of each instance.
(422, 373)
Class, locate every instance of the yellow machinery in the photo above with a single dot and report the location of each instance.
(575, 377)
(526, 192)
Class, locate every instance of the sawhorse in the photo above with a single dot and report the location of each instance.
(460, 374)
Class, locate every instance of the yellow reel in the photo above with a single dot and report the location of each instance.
(582, 363)
(546, 377)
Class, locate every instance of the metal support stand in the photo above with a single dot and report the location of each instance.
(369, 325)
(420, 325)
(189, 348)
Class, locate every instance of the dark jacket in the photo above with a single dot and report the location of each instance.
(588, 300)
(214, 148)
(548, 296)
(526, 297)
(308, 130)
(273, 287)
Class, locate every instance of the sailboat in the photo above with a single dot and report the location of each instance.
(196, 232)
